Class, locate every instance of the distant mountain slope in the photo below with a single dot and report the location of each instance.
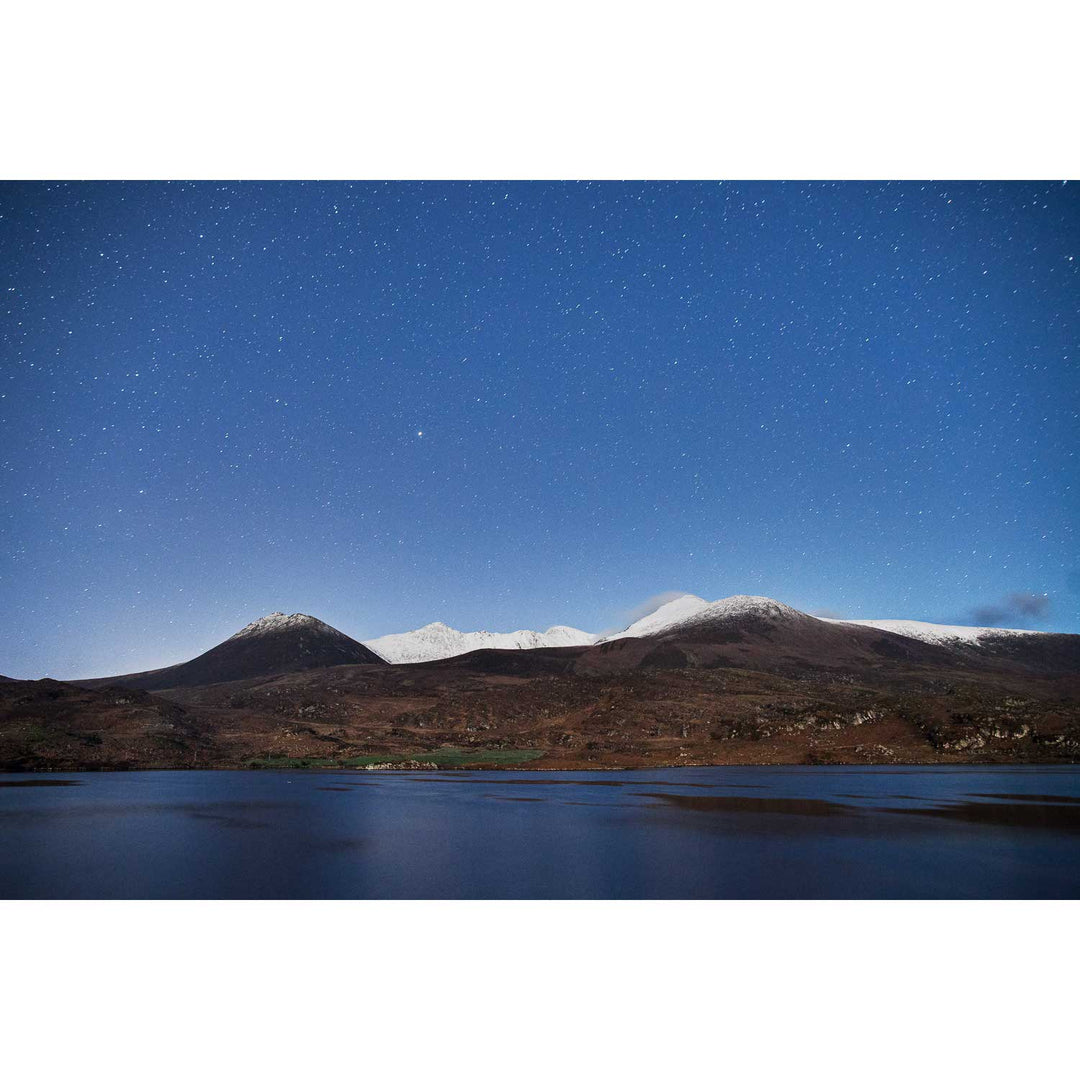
(273, 645)
(936, 633)
(437, 641)
(1037, 650)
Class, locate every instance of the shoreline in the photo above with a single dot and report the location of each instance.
(352, 770)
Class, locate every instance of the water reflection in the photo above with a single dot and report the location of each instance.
(754, 832)
(733, 804)
(39, 783)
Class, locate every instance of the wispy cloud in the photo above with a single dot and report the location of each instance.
(1017, 607)
(646, 607)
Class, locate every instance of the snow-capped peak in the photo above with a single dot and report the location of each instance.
(736, 606)
(690, 610)
(277, 621)
(436, 641)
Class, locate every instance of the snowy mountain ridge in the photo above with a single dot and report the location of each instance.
(437, 641)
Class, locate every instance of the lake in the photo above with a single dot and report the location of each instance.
(752, 832)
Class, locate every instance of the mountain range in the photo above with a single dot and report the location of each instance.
(437, 641)
(744, 679)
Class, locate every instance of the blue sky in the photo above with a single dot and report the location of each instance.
(508, 405)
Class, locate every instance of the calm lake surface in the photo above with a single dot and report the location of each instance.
(733, 832)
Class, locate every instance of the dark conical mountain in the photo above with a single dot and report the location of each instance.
(276, 644)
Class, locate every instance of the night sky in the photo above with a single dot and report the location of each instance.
(507, 405)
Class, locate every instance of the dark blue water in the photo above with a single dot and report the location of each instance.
(753, 832)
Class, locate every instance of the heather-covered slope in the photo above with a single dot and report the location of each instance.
(46, 724)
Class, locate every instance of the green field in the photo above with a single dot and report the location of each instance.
(447, 757)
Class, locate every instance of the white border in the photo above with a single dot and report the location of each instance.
(562, 90)
(538, 989)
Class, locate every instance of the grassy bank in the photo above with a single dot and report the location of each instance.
(445, 758)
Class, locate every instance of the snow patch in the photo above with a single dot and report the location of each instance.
(935, 633)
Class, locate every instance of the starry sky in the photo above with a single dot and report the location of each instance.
(511, 405)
